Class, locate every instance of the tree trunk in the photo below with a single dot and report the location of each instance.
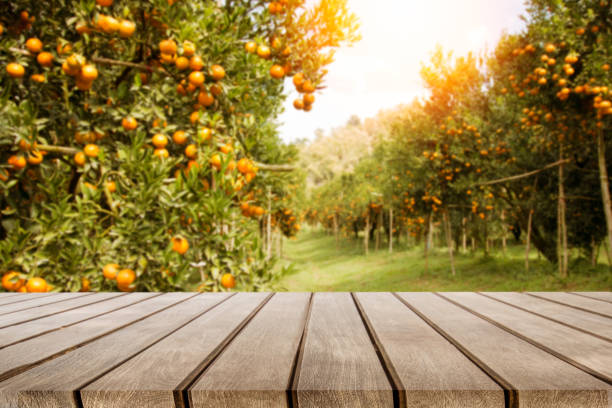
(464, 234)
(594, 251)
(366, 237)
(269, 226)
(503, 219)
(390, 230)
(427, 242)
(528, 240)
(430, 232)
(486, 239)
(562, 227)
(449, 240)
(605, 189)
(378, 227)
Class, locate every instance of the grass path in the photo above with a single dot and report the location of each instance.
(319, 266)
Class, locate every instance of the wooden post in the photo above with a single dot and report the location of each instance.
(605, 189)
(562, 227)
(464, 234)
(390, 230)
(528, 240)
(504, 231)
(366, 237)
(449, 239)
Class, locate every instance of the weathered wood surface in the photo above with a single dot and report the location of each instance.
(257, 350)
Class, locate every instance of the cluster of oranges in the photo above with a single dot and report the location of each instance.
(18, 161)
(13, 282)
(303, 86)
(123, 277)
(249, 210)
(287, 221)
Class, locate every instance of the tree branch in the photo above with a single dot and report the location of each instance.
(524, 175)
(275, 167)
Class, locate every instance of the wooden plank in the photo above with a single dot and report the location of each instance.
(8, 298)
(241, 377)
(432, 371)
(605, 296)
(582, 350)
(151, 378)
(533, 377)
(588, 322)
(53, 308)
(577, 302)
(39, 301)
(21, 356)
(53, 384)
(338, 366)
(24, 331)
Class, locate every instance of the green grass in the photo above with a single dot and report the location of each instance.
(319, 266)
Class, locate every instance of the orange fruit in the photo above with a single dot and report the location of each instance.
(89, 72)
(205, 99)
(91, 150)
(11, 281)
(263, 51)
(205, 134)
(15, 70)
(191, 151)
(68, 70)
(298, 79)
(37, 78)
(228, 281)
(180, 245)
(605, 67)
(108, 24)
(85, 285)
(188, 48)
(110, 271)
(215, 161)
(298, 104)
(36, 285)
(34, 45)
(111, 186)
(308, 99)
(179, 137)
(45, 59)
(126, 28)
(104, 3)
(196, 78)
(250, 47)
(80, 159)
(125, 277)
(226, 148)
(181, 63)
(17, 162)
(308, 87)
(129, 123)
(307, 108)
(161, 153)
(244, 165)
(277, 72)
(196, 63)
(550, 48)
(160, 140)
(194, 117)
(35, 157)
(217, 72)
(167, 47)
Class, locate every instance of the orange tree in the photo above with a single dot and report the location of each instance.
(128, 136)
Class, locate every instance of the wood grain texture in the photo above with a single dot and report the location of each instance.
(150, 378)
(588, 352)
(605, 296)
(38, 302)
(53, 383)
(24, 331)
(578, 302)
(52, 309)
(541, 379)
(20, 356)
(7, 298)
(589, 322)
(255, 369)
(339, 366)
(432, 371)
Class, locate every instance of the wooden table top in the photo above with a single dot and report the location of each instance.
(306, 350)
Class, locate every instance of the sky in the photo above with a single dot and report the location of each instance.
(382, 70)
